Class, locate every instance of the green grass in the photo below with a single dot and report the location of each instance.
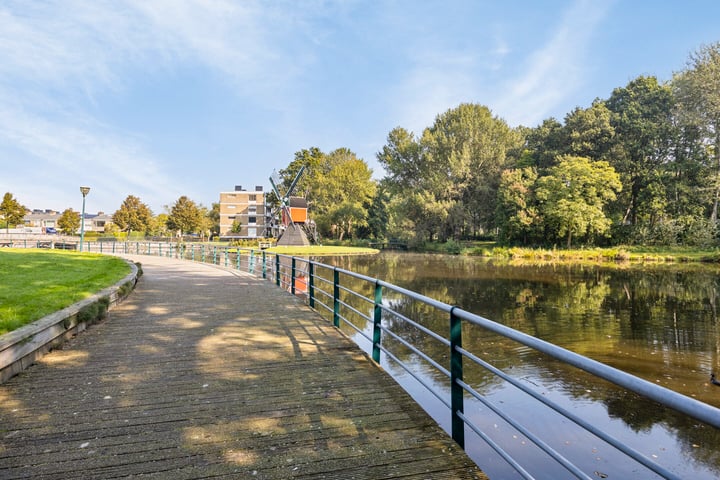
(36, 283)
(320, 250)
(663, 254)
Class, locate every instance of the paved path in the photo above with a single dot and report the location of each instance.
(206, 373)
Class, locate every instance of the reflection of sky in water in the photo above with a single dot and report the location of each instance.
(592, 455)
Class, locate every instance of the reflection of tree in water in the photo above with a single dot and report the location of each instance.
(640, 414)
(657, 323)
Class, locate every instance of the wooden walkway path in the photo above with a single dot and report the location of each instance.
(206, 373)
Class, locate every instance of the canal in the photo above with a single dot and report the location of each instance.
(658, 321)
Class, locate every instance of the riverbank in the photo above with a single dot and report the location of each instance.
(662, 254)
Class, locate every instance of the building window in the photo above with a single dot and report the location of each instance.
(231, 206)
(252, 232)
(252, 209)
(252, 220)
(252, 198)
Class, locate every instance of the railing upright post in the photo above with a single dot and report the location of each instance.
(292, 276)
(377, 322)
(251, 262)
(237, 259)
(336, 297)
(113, 244)
(214, 255)
(264, 265)
(226, 257)
(456, 375)
(311, 284)
(202, 253)
(277, 270)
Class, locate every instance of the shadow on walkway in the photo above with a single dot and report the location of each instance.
(207, 373)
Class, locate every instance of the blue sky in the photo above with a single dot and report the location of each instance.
(163, 98)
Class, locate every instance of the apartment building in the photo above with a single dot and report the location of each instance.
(243, 214)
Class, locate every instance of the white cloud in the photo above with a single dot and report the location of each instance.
(556, 70)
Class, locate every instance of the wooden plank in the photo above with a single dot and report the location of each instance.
(202, 373)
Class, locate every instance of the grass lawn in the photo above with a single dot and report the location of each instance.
(320, 250)
(36, 283)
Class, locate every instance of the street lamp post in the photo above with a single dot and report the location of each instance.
(84, 191)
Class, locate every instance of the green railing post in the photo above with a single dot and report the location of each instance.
(277, 270)
(456, 376)
(336, 297)
(192, 253)
(251, 262)
(202, 253)
(264, 265)
(237, 259)
(113, 244)
(377, 322)
(311, 284)
(226, 258)
(159, 249)
(292, 276)
(214, 255)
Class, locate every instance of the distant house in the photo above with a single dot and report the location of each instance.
(38, 221)
(246, 210)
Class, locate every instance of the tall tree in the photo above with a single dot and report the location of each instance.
(133, 215)
(185, 216)
(588, 132)
(213, 216)
(342, 200)
(517, 215)
(642, 115)
(11, 211)
(572, 196)
(403, 160)
(69, 222)
(697, 90)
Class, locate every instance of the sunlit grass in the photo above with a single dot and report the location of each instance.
(609, 254)
(320, 250)
(36, 283)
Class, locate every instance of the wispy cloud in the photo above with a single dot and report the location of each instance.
(556, 70)
(58, 56)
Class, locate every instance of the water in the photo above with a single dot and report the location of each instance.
(659, 322)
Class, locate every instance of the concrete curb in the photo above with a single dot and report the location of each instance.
(22, 347)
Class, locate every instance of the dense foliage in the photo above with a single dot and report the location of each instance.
(640, 167)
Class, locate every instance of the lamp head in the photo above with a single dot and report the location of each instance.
(84, 190)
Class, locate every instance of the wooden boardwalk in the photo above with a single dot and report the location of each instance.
(206, 373)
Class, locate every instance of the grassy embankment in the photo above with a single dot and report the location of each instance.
(612, 254)
(36, 283)
(321, 250)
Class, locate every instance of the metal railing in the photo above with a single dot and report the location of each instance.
(389, 320)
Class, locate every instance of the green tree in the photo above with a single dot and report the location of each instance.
(588, 132)
(236, 226)
(642, 114)
(697, 90)
(69, 222)
(341, 204)
(517, 215)
(466, 149)
(213, 215)
(133, 215)
(185, 216)
(573, 194)
(403, 161)
(11, 211)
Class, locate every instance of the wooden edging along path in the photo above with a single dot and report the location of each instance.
(209, 373)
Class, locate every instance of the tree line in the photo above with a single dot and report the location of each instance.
(184, 216)
(639, 167)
